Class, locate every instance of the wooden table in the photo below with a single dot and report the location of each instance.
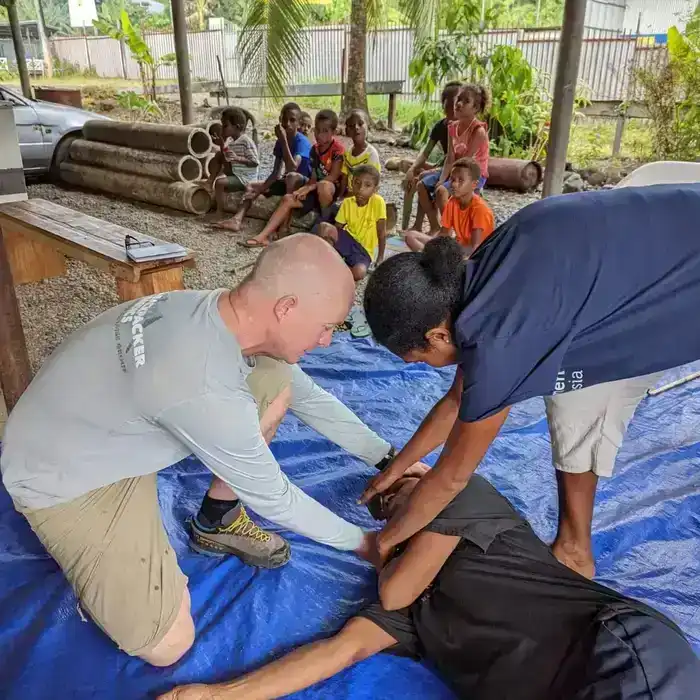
(39, 235)
(36, 236)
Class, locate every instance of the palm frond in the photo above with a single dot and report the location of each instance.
(273, 41)
(422, 15)
(376, 14)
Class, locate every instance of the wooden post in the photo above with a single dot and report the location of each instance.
(619, 130)
(15, 370)
(184, 79)
(392, 110)
(18, 44)
(570, 42)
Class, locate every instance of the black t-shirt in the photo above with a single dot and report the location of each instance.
(578, 290)
(503, 619)
(439, 134)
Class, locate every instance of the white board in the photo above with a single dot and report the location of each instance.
(82, 12)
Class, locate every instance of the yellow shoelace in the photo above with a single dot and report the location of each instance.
(245, 527)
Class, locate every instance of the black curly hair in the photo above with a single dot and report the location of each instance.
(411, 293)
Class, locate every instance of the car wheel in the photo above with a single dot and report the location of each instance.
(60, 154)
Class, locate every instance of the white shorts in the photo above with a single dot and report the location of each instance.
(587, 426)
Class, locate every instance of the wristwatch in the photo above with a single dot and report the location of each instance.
(382, 464)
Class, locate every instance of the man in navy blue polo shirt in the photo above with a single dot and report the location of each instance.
(582, 299)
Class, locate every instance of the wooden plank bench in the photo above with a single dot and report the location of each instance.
(241, 92)
(39, 235)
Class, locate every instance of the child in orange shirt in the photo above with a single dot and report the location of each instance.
(465, 213)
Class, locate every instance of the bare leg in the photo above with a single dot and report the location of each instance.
(359, 272)
(310, 664)
(428, 207)
(572, 545)
(177, 640)
(220, 194)
(442, 194)
(416, 240)
(292, 182)
(326, 192)
(278, 218)
(234, 224)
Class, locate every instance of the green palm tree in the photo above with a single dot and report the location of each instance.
(273, 40)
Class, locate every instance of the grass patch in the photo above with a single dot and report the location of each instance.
(591, 141)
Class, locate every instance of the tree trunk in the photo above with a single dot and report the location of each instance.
(355, 96)
(45, 46)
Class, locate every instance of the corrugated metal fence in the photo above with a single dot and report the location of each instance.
(606, 73)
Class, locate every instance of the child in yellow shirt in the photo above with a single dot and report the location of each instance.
(361, 223)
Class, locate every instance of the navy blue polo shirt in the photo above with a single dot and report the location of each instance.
(581, 289)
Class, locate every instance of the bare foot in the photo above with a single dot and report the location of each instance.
(577, 557)
(228, 225)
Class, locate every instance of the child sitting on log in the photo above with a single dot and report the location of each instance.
(316, 193)
(237, 156)
(360, 223)
(422, 176)
(361, 153)
(292, 152)
(467, 137)
(306, 125)
(466, 215)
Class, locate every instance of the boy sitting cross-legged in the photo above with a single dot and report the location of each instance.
(291, 152)
(318, 192)
(361, 223)
(466, 214)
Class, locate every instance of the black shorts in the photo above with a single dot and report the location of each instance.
(350, 250)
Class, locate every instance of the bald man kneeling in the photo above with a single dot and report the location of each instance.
(151, 381)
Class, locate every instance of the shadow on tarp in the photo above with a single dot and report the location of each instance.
(646, 542)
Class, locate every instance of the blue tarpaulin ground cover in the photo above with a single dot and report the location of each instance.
(647, 544)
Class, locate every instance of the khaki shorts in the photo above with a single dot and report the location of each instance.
(587, 426)
(115, 553)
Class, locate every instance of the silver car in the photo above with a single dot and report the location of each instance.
(45, 131)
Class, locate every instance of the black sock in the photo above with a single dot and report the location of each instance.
(213, 510)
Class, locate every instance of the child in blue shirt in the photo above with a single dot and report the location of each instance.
(292, 151)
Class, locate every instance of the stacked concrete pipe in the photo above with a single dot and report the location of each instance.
(156, 163)
(185, 196)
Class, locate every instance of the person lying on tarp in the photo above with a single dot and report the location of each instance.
(154, 380)
(480, 597)
(583, 299)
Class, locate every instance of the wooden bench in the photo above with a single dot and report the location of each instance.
(39, 235)
(382, 87)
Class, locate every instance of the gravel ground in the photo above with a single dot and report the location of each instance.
(51, 309)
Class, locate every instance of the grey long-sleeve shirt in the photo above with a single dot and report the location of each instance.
(150, 382)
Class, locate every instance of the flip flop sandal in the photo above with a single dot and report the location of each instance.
(251, 243)
(360, 327)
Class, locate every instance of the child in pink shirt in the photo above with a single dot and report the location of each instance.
(467, 137)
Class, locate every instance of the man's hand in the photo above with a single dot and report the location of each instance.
(280, 132)
(381, 483)
(198, 691)
(417, 470)
(302, 193)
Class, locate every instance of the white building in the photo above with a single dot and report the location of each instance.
(649, 16)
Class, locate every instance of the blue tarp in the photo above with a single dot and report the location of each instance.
(646, 541)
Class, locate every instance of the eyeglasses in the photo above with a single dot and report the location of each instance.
(133, 242)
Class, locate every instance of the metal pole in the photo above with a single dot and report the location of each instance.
(564, 92)
(19, 49)
(184, 79)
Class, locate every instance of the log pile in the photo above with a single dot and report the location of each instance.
(155, 163)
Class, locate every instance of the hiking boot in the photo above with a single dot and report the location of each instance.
(242, 538)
